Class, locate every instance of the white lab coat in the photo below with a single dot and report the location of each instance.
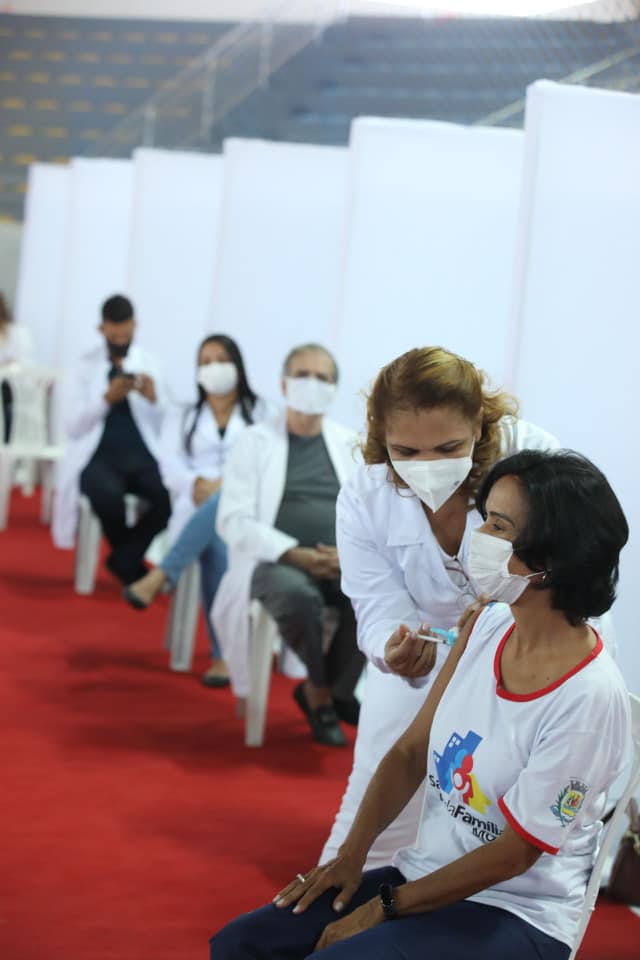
(252, 490)
(209, 453)
(84, 413)
(393, 571)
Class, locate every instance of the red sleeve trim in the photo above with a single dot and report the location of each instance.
(513, 823)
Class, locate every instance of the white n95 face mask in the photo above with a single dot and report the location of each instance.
(218, 378)
(489, 568)
(434, 481)
(309, 395)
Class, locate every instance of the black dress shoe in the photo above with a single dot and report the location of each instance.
(323, 720)
(325, 727)
(347, 710)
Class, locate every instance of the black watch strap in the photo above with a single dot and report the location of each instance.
(388, 901)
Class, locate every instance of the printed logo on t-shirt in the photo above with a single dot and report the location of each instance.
(455, 766)
(569, 801)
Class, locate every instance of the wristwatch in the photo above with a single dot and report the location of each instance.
(387, 899)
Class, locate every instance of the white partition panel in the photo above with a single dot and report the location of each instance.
(97, 250)
(576, 299)
(175, 223)
(433, 209)
(39, 289)
(279, 250)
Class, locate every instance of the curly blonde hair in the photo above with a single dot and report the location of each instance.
(428, 377)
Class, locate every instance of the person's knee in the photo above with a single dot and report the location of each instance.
(161, 509)
(302, 603)
(240, 939)
(226, 944)
(106, 502)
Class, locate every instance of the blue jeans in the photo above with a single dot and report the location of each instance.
(462, 931)
(198, 540)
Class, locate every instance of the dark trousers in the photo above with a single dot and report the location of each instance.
(105, 484)
(463, 931)
(296, 602)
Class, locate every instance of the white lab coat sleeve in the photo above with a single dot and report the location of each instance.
(84, 405)
(377, 591)
(156, 411)
(238, 521)
(177, 473)
(521, 435)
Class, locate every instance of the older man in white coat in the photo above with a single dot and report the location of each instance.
(277, 515)
(112, 417)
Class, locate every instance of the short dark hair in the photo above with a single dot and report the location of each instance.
(117, 309)
(310, 348)
(575, 528)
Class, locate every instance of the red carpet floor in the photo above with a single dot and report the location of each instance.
(134, 822)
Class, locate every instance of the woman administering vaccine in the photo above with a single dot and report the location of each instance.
(194, 448)
(404, 521)
(521, 736)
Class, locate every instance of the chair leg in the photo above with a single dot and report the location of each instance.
(181, 627)
(47, 470)
(6, 472)
(262, 635)
(87, 549)
(29, 476)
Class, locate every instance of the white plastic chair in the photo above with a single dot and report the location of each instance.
(612, 832)
(180, 633)
(88, 540)
(264, 641)
(30, 433)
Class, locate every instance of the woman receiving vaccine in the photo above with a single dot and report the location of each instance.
(518, 741)
(194, 449)
(404, 520)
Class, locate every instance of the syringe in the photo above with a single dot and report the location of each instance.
(438, 635)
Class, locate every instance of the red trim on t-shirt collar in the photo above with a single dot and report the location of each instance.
(521, 697)
(529, 837)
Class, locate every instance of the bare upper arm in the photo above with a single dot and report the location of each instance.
(413, 740)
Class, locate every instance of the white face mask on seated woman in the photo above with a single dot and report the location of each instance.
(489, 568)
(218, 378)
(434, 481)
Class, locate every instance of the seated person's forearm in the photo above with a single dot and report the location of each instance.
(496, 862)
(394, 783)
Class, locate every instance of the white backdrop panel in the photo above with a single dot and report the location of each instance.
(174, 231)
(279, 250)
(39, 289)
(97, 250)
(433, 211)
(576, 297)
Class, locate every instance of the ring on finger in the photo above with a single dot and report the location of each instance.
(300, 878)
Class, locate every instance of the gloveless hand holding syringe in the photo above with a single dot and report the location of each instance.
(438, 635)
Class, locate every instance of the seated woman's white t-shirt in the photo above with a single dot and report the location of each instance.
(541, 762)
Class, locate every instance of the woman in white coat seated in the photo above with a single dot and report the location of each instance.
(195, 445)
(518, 742)
(404, 522)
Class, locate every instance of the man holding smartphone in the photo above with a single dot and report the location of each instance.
(113, 416)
